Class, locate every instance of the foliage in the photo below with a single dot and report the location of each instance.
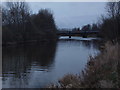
(110, 26)
(20, 26)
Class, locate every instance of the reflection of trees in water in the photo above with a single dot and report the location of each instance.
(17, 60)
(91, 43)
(86, 43)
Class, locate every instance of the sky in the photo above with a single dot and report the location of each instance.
(72, 14)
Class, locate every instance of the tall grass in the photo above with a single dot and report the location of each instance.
(102, 71)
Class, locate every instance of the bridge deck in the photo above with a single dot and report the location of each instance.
(77, 33)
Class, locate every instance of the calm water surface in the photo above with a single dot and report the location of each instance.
(38, 65)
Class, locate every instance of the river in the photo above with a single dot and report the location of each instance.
(38, 65)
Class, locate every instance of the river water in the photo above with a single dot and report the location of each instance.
(38, 65)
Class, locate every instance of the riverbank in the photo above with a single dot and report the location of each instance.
(101, 71)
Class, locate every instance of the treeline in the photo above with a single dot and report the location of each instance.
(19, 25)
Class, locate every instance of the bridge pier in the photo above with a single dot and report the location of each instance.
(84, 36)
(69, 36)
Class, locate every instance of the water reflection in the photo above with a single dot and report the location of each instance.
(85, 43)
(37, 65)
(19, 62)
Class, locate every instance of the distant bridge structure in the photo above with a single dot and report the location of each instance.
(78, 33)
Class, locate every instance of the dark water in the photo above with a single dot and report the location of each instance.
(37, 65)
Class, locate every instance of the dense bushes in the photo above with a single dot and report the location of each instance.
(19, 25)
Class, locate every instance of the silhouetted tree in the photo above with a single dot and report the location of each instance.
(44, 21)
(14, 18)
(110, 28)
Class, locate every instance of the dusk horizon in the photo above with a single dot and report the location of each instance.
(72, 14)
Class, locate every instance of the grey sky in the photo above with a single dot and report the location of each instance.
(72, 14)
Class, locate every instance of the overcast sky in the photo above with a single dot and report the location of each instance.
(72, 14)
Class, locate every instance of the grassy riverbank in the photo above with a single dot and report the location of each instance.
(101, 71)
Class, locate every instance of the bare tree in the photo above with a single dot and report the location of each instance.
(111, 24)
(18, 11)
(113, 8)
(19, 14)
(15, 15)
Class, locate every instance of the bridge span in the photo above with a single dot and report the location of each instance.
(78, 33)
